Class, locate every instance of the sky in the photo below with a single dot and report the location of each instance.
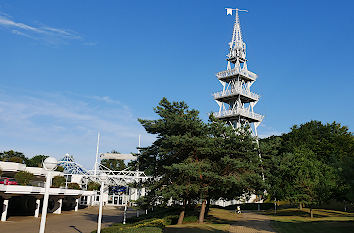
(70, 69)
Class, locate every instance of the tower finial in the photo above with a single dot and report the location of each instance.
(237, 50)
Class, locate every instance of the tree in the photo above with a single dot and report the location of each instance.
(24, 177)
(177, 131)
(192, 160)
(13, 156)
(58, 181)
(36, 161)
(309, 164)
(229, 166)
(114, 164)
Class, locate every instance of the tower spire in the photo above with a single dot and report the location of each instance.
(236, 101)
(237, 48)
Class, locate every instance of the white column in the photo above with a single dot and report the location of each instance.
(76, 204)
(58, 210)
(100, 209)
(5, 205)
(45, 203)
(36, 212)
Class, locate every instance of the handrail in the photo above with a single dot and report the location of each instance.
(236, 90)
(239, 111)
(235, 71)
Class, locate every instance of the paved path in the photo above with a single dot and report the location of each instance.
(250, 222)
(82, 221)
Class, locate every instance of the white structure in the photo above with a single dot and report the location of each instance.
(75, 173)
(236, 101)
(32, 195)
(49, 165)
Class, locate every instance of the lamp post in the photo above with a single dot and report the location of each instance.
(103, 178)
(49, 165)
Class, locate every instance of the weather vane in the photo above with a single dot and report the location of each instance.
(229, 11)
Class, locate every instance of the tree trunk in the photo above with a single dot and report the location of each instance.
(207, 207)
(300, 206)
(311, 212)
(181, 214)
(202, 211)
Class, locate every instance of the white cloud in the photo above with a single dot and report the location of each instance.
(45, 33)
(41, 123)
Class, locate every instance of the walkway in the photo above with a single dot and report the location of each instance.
(251, 222)
(82, 221)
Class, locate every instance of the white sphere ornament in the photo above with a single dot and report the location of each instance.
(103, 176)
(50, 163)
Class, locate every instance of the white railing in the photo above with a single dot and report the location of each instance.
(236, 90)
(236, 71)
(239, 111)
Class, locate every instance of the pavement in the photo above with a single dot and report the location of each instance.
(250, 222)
(82, 221)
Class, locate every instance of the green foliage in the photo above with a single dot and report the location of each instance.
(74, 186)
(311, 164)
(0, 172)
(58, 181)
(149, 225)
(36, 161)
(59, 169)
(23, 177)
(13, 156)
(93, 186)
(114, 164)
(195, 160)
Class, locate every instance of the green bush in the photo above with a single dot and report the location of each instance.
(93, 186)
(74, 186)
(59, 169)
(58, 181)
(23, 177)
(148, 225)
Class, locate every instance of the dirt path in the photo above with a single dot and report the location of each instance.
(250, 222)
(83, 221)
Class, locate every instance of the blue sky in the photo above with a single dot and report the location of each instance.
(72, 68)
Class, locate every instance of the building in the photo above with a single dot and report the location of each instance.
(28, 199)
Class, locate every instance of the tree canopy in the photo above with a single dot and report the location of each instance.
(192, 160)
(311, 164)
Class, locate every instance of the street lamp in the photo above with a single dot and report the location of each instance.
(103, 178)
(49, 165)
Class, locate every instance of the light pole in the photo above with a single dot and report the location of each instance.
(49, 165)
(103, 178)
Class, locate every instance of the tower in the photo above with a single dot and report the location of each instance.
(236, 101)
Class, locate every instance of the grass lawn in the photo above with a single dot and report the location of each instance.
(324, 221)
(218, 222)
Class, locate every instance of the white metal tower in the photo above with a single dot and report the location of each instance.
(236, 101)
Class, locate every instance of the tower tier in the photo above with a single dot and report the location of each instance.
(235, 93)
(238, 113)
(236, 73)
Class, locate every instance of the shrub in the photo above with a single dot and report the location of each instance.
(74, 186)
(93, 186)
(58, 181)
(24, 178)
(59, 169)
